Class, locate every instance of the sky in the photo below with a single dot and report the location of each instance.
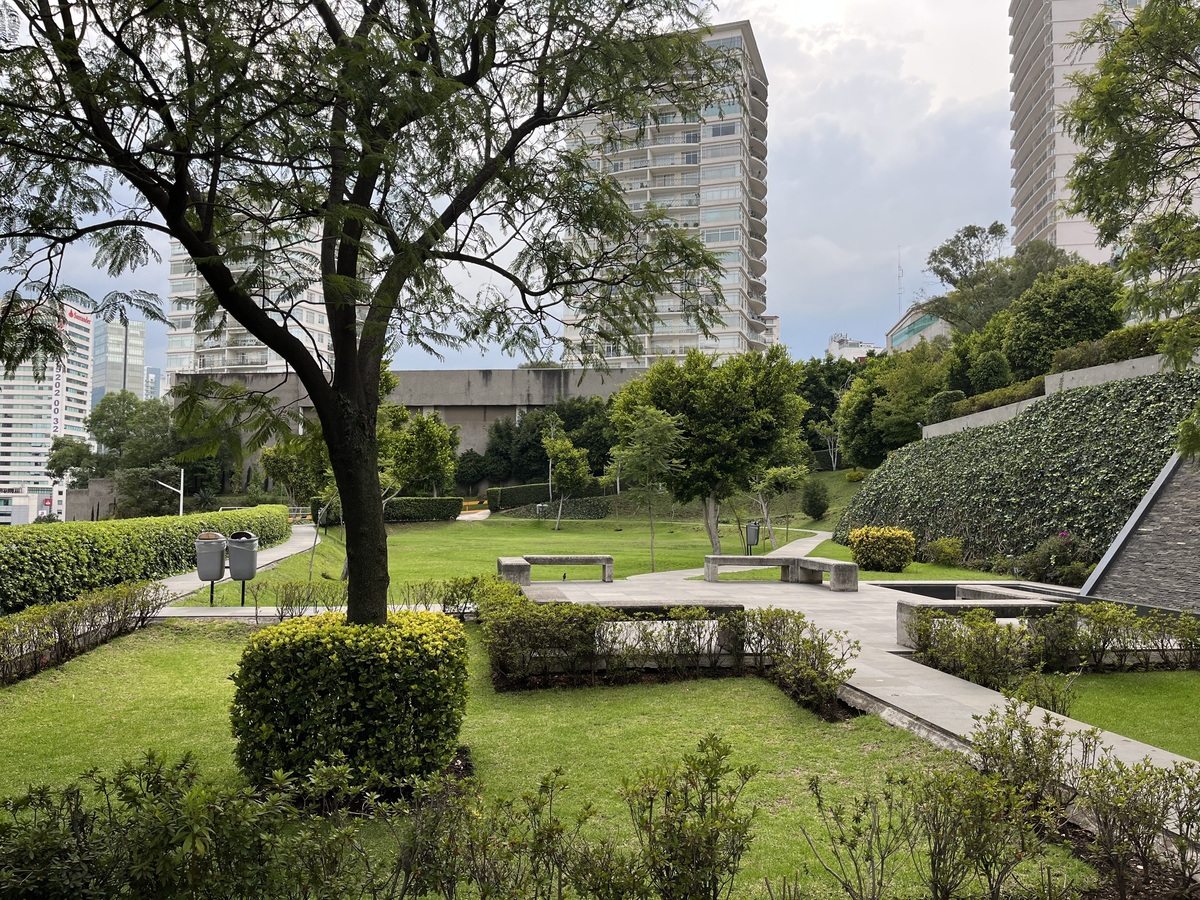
(888, 131)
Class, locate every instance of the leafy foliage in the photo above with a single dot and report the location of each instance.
(41, 637)
(1079, 461)
(46, 565)
(388, 698)
(814, 499)
(882, 549)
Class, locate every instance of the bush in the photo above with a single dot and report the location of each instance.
(941, 403)
(1014, 393)
(50, 565)
(390, 697)
(944, 552)
(854, 476)
(41, 637)
(154, 829)
(1084, 457)
(1061, 558)
(500, 498)
(814, 499)
(422, 509)
(882, 549)
(573, 508)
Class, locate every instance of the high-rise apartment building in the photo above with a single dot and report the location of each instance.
(155, 385)
(290, 292)
(710, 173)
(35, 408)
(118, 359)
(1042, 55)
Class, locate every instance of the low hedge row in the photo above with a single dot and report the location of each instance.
(388, 700)
(53, 563)
(41, 637)
(574, 508)
(532, 645)
(401, 509)
(501, 498)
(1131, 342)
(1014, 393)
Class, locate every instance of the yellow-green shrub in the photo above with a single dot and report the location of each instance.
(882, 549)
(390, 697)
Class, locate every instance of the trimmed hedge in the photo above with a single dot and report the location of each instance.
(882, 549)
(1131, 342)
(538, 644)
(390, 698)
(401, 509)
(41, 637)
(1078, 461)
(573, 508)
(53, 563)
(1014, 393)
(500, 498)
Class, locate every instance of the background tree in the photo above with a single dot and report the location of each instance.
(958, 261)
(648, 440)
(569, 468)
(1062, 308)
(300, 464)
(732, 415)
(407, 138)
(822, 384)
(422, 455)
(1136, 174)
(69, 461)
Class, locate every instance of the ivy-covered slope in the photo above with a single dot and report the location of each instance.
(1078, 461)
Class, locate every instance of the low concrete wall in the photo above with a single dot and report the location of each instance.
(1062, 381)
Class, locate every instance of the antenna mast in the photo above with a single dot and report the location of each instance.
(899, 284)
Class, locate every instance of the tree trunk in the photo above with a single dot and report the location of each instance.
(354, 458)
(711, 507)
(765, 506)
(558, 518)
(650, 508)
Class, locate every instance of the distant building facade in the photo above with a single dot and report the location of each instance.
(1042, 55)
(155, 386)
(290, 293)
(913, 327)
(710, 173)
(33, 411)
(842, 346)
(118, 359)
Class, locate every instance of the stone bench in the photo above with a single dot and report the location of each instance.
(843, 576)
(517, 568)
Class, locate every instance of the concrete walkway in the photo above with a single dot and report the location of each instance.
(937, 706)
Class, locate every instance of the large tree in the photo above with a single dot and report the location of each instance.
(733, 417)
(409, 139)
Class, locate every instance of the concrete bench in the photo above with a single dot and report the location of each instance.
(843, 576)
(516, 568)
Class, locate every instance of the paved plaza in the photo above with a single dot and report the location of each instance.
(937, 706)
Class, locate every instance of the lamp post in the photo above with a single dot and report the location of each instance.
(178, 490)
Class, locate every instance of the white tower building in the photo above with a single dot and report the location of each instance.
(35, 409)
(711, 173)
(1042, 55)
(291, 293)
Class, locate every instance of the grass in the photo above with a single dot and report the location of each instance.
(164, 687)
(167, 688)
(1157, 708)
(916, 571)
(436, 550)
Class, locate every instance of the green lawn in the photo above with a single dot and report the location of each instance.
(1157, 708)
(435, 550)
(167, 688)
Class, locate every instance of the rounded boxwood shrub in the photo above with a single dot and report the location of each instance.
(882, 549)
(389, 697)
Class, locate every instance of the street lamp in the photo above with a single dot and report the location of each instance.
(178, 490)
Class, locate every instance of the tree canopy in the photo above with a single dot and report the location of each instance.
(733, 416)
(374, 149)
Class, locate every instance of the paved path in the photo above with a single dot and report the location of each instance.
(904, 693)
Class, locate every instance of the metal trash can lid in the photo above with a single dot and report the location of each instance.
(211, 536)
(243, 536)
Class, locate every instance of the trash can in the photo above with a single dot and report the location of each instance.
(210, 556)
(243, 555)
(751, 535)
